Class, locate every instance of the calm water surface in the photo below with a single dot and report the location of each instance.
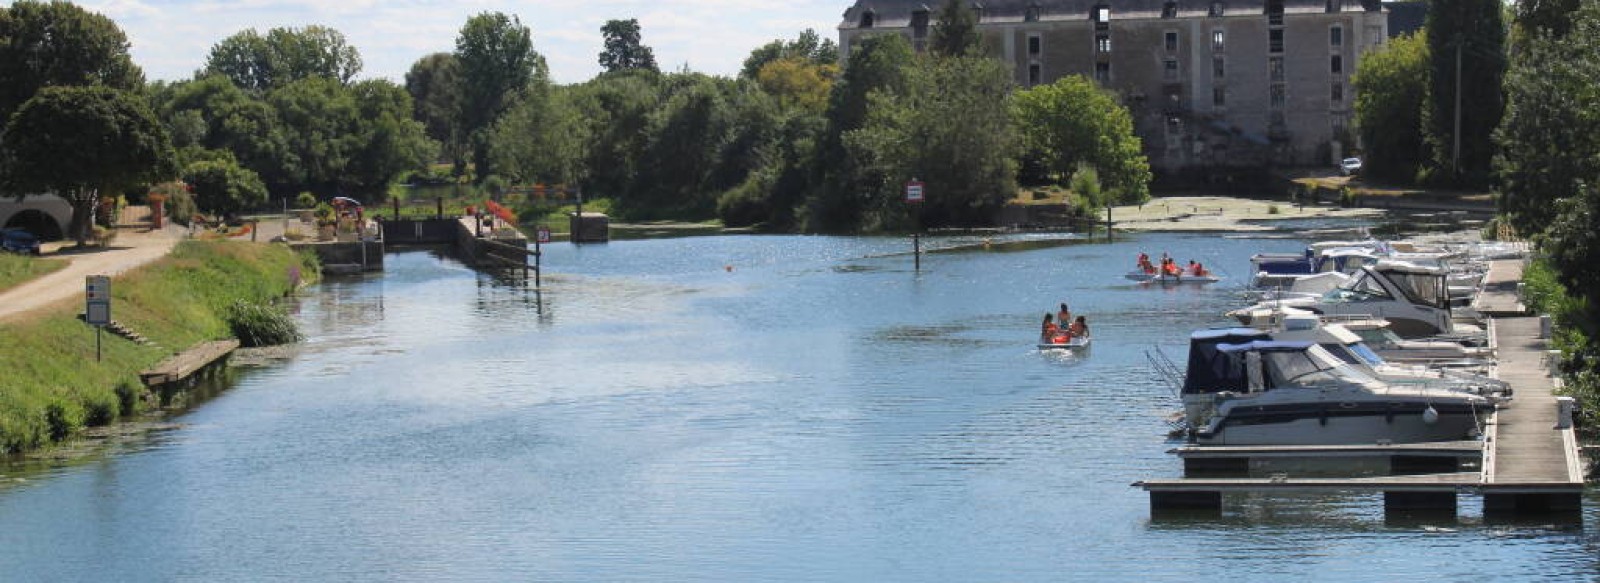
(818, 413)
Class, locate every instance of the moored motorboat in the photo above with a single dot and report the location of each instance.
(1239, 390)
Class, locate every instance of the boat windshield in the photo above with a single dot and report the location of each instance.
(1379, 337)
(1421, 288)
(1314, 365)
(1362, 289)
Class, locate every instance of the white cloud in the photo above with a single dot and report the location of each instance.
(171, 37)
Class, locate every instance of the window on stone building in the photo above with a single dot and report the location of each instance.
(1032, 15)
(1102, 73)
(1217, 38)
(1169, 70)
(1275, 40)
(1375, 35)
(1218, 9)
(866, 19)
(1274, 12)
(1102, 43)
(1336, 37)
(1335, 5)
(1171, 41)
(1278, 95)
(1336, 64)
(919, 24)
(1336, 95)
(1034, 46)
(1035, 74)
(1275, 68)
(1169, 10)
(1219, 67)
(1219, 97)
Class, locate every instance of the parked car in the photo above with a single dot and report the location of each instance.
(19, 241)
(1350, 166)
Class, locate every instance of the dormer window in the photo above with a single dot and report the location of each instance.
(977, 12)
(1335, 5)
(1169, 10)
(1275, 12)
(1032, 14)
(867, 19)
(1101, 15)
(1218, 9)
(919, 24)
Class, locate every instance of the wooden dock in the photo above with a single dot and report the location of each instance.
(1530, 456)
(180, 366)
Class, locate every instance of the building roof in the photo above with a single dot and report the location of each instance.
(897, 13)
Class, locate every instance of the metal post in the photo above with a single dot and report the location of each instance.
(97, 331)
(1108, 223)
(577, 232)
(438, 207)
(538, 266)
(916, 249)
(396, 202)
(1455, 153)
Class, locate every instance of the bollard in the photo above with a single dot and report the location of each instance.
(1544, 327)
(1564, 407)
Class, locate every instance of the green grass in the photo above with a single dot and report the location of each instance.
(53, 385)
(16, 270)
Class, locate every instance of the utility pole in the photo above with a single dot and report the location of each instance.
(1455, 152)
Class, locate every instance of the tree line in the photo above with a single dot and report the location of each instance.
(792, 143)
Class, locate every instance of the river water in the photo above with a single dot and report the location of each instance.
(737, 408)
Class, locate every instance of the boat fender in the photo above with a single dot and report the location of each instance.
(1322, 418)
(1430, 415)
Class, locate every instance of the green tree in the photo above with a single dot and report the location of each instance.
(389, 142)
(498, 64)
(52, 44)
(1073, 122)
(948, 127)
(1549, 141)
(808, 47)
(436, 91)
(541, 140)
(321, 125)
(82, 142)
(624, 48)
(229, 120)
(841, 198)
(1469, 36)
(1085, 184)
(616, 109)
(798, 83)
(284, 55)
(1391, 87)
(955, 33)
(1552, 16)
(223, 187)
(683, 139)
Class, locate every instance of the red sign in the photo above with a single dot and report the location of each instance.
(542, 235)
(914, 191)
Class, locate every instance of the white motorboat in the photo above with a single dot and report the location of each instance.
(1239, 390)
(1339, 340)
(1076, 343)
(1411, 297)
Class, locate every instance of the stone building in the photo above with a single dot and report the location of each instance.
(1212, 84)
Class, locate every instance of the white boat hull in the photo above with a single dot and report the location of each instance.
(1333, 426)
(1143, 277)
(1074, 344)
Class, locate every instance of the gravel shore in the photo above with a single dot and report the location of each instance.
(1221, 213)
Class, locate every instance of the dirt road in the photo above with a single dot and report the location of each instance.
(132, 248)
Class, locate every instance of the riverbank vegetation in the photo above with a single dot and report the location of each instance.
(1548, 167)
(55, 385)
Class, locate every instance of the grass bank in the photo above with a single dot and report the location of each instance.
(16, 270)
(53, 386)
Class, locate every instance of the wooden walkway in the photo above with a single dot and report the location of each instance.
(181, 365)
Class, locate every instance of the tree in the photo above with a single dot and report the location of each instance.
(807, 47)
(223, 187)
(1391, 86)
(1085, 184)
(616, 109)
(284, 55)
(683, 139)
(322, 131)
(1073, 122)
(81, 142)
(956, 32)
(59, 44)
(541, 140)
(389, 142)
(498, 63)
(1469, 36)
(948, 127)
(1549, 141)
(798, 83)
(434, 83)
(840, 199)
(624, 49)
(1552, 16)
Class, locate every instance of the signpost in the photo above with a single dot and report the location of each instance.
(97, 306)
(915, 195)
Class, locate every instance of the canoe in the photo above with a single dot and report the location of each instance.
(1143, 277)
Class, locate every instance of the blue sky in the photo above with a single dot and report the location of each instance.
(171, 37)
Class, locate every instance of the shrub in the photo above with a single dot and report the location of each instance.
(128, 395)
(100, 408)
(1272, 209)
(261, 325)
(746, 204)
(305, 200)
(179, 202)
(63, 416)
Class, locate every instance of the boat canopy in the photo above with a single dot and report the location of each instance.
(1266, 346)
(1212, 371)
